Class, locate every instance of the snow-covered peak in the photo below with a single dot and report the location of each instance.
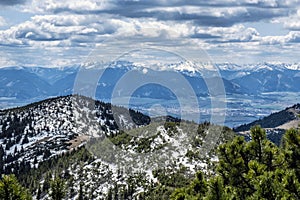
(188, 67)
(269, 66)
(229, 66)
(294, 66)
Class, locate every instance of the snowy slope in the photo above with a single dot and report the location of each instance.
(44, 129)
(123, 145)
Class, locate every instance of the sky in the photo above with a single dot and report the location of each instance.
(56, 33)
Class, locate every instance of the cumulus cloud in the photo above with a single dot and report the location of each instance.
(71, 6)
(236, 33)
(204, 13)
(53, 28)
(76, 24)
(291, 37)
(292, 22)
(75, 30)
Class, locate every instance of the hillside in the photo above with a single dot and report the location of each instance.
(40, 130)
(103, 149)
(275, 124)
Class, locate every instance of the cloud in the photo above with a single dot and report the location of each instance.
(60, 26)
(291, 37)
(6, 62)
(207, 16)
(221, 13)
(11, 2)
(236, 33)
(71, 6)
(292, 22)
(2, 21)
(85, 30)
(51, 28)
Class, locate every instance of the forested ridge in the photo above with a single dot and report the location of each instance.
(257, 169)
(43, 156)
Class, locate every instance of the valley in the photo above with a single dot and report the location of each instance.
(248, 98)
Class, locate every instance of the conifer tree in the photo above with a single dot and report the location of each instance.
(39, 193)
(291, 145)
(81, 192)
(10, 189)
(257, 169)
(58, 190)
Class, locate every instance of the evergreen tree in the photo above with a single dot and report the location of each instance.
(81, 192)
(196, 189)
(257, 169)
(109, 195)
(10, 189)
(216, 190)
(291, 145)
(58, 190)
(46, 184)
(39, 193)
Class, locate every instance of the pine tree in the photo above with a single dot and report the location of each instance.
(58, 190)
(81, 192)
(291, 145)
(197, 189)
(10, 189)
(39, 193)
(46, 184)
(216, 190)
(109, 195)
(257, 169)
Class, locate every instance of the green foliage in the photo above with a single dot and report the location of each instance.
(121, 138)
(251, 170)
(171, 178)
(195, 190)
(291, 145)
(171, 127)
(216, 190)
(58, 190)
(10, 189)
(168, 180)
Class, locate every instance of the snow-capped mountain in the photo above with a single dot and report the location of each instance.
(245, 85)
(41, 130)
(257, 67)
(122, 144)
(21, 84)
(264, 77)
(47, 82)
(25, 83)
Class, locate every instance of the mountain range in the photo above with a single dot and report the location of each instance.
(247, 87)
(24, 83)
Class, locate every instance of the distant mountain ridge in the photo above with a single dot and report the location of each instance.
(246, 88)
(25, 83)
(274, 120)
(263, 77)
(275, 124)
